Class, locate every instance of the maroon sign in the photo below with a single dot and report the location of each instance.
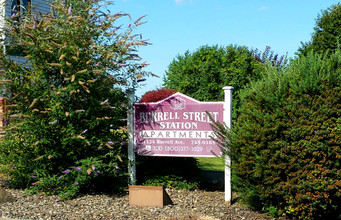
(177, 126)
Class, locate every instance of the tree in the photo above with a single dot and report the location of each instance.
(285, 146)
(327, 32)
(203, 73)
(67, 116)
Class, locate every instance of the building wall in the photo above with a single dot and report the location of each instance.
(2, 15)
(5, 11)
(41, 5)
(38, 5)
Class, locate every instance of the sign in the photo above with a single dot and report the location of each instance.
(177, 126)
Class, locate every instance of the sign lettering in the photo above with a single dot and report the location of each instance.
(177, 126)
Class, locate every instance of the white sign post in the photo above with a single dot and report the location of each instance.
(131, 131)
(228, 122)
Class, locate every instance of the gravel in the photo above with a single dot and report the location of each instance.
(187, 205)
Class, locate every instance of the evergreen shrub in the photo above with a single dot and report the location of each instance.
(285, 146)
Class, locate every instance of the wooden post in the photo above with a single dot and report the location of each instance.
(228, 122)
(2, 112)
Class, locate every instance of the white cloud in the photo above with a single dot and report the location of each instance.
(178, 2)
(263, 8)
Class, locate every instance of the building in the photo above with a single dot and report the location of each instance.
(8, 7)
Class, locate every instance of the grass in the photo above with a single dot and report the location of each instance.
(211, 163)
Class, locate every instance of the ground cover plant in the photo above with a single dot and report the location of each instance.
(285, 146)
(67, 113)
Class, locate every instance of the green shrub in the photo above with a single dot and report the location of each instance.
(285, 146)
(274, 213)
(172, 181)
(66, 129)
(171, 172)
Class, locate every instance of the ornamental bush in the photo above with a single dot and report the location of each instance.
(157, 95)
(67, 113)
(285, 146)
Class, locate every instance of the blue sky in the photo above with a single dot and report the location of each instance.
(174, 26)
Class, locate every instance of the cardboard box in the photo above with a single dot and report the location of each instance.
(148, 196)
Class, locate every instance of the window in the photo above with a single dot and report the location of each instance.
(20, 7)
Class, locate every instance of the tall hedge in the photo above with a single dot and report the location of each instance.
(286, 144)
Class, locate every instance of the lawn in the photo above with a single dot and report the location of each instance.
(211, 163)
